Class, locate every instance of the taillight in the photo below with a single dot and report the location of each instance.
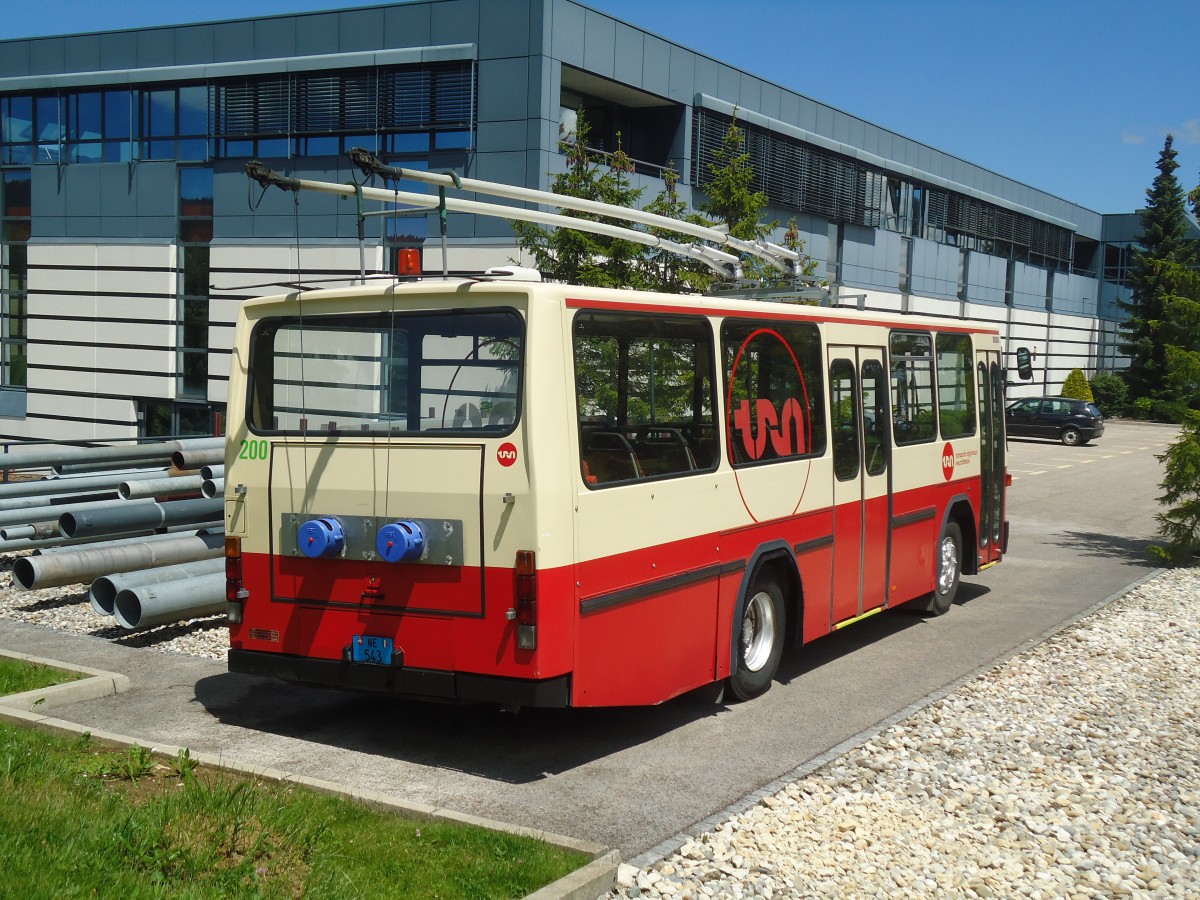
(526, 597)
(235, 588)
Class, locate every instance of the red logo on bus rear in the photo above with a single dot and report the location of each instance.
(506, 453)
(948, 462)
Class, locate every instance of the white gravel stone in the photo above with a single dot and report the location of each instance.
(1072, 770)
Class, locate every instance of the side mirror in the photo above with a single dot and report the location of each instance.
(1024, 363)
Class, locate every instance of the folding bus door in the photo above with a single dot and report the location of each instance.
(858, 401)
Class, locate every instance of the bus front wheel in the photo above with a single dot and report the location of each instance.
(758, 639)
(949, 568)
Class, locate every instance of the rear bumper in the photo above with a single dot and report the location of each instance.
(425, 684)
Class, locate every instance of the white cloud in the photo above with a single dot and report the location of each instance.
(1128, 137)
(1190, 132)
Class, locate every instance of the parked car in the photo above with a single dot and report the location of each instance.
(1070, 421)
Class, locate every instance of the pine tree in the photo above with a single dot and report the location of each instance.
(729, 197)
(578, 257)
(1163, 241)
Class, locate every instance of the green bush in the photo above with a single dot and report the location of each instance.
(1076, 386)
(1110, 393)
(1179, 526)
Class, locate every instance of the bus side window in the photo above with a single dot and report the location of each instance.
(645, 400)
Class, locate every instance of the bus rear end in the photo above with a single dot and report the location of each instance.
(380, 529)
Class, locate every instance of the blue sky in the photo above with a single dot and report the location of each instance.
(1071, 96)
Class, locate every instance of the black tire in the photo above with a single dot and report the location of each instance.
(1071, 437)
(758, 636)
(948, 559)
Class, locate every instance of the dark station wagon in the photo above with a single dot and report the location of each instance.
(1070, 421)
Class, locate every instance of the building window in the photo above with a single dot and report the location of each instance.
(398, 110)
(195, 233)
(14, 288)
(813, 179)
(167, 419)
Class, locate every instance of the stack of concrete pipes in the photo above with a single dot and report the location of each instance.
(142, 525)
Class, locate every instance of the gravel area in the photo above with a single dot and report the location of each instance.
(1072, 770)
(68, 609)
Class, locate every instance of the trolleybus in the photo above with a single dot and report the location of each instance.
(504, 490)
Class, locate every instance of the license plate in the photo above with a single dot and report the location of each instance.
(374, 651)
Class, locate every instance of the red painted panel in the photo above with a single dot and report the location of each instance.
(430, 641)
(647, 650)
(401, 585)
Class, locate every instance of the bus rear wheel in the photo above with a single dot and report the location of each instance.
(758, 639)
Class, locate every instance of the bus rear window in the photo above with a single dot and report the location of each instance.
(385, 373)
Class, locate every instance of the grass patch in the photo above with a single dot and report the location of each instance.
(18, 675)
(81, 820)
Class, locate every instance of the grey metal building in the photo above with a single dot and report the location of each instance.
(131, 233)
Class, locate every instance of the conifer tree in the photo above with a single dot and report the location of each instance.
(1163, 242)
(1076, 386)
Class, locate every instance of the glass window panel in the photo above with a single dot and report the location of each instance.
(913, 417)
(85, 116)
(118, 151)
(194, 149)
(196, 231)
(773, 390)
(16, 120)
(645, 397)
(408, 142)
(18, 192)
(158, 113)
(843, 407)
(116, 114)
(193, 373)
(15, 365)
(18, 230)
(956, 386)
(357, 372)
(277, 147)
(239, 148)
(193, 110)
(195, 272)
(327, 145)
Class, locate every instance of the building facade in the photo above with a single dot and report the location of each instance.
(131, 232)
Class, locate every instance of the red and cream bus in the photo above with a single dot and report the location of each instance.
(537, 494)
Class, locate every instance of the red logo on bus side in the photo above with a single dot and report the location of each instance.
(786, 430)
(948, 462)
(506, 454)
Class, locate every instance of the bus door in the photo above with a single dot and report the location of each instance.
(858, 401)
(991, 456)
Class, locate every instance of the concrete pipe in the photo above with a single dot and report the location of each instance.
(44, 512)
(84, 566)
(155, 604)
(122, 518)
(160, 487)
(141, 538)
(103, 592)
(197, 457)
(110, 454)
(213, 487)
(58, 487)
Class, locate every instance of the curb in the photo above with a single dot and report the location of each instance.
(586, 883)
(97, 684)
